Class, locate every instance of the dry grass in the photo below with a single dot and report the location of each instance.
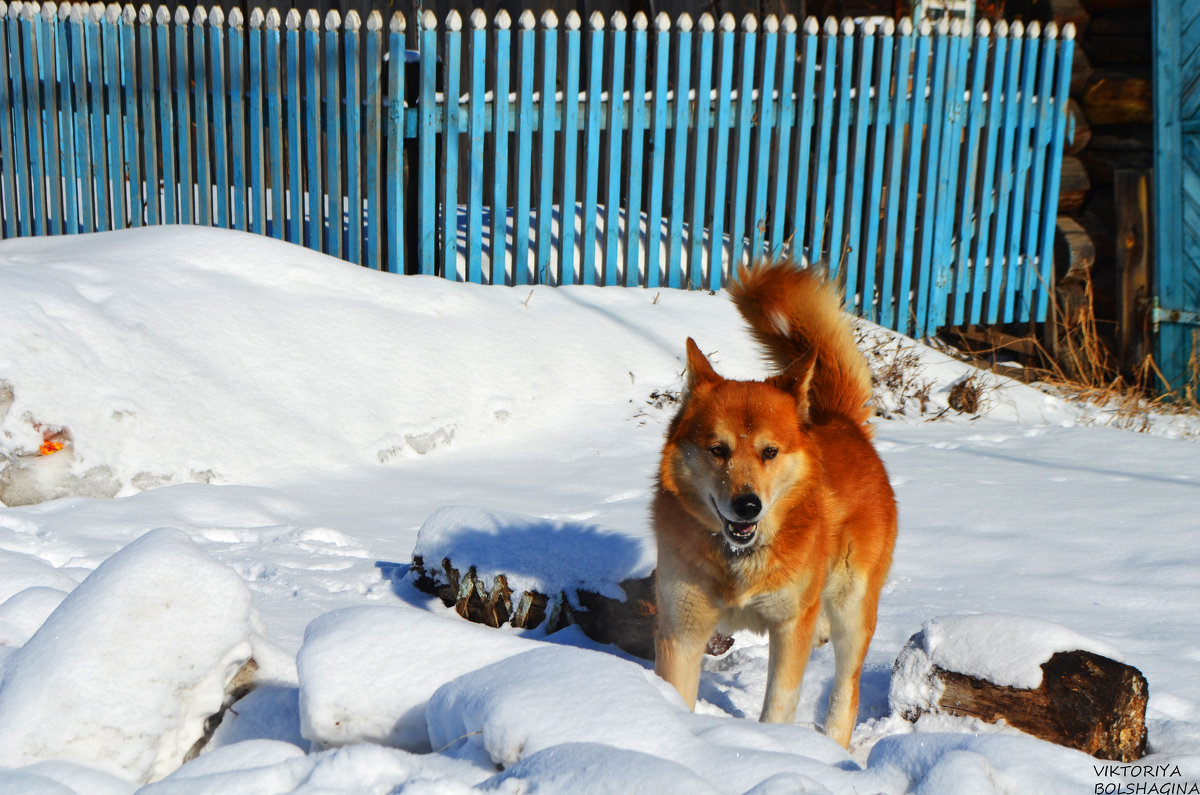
(1085, 369)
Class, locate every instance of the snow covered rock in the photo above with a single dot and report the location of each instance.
(125, 672)
(1039, 677)
(366, 673)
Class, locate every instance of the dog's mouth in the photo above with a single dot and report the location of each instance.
(740, 534)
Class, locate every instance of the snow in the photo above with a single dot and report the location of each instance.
(534, 553)
(93, 684)
(256, 438)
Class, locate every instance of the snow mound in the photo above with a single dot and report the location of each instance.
(366, 673)
(535, 713)
(199, 354)
(1005, 650)
(535, 554)
(18, 572)
(125, 671)
(982, 764)
(25, 611)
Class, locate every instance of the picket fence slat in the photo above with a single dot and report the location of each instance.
(920, 164)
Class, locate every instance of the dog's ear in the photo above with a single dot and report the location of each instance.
(797, 379)
(699, 372)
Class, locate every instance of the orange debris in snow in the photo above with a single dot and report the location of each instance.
(49, 447)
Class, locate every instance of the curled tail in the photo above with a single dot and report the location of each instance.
(792, 312)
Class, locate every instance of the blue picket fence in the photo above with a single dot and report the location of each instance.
(921, 163)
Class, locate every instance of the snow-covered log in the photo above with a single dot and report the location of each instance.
(1037, 677)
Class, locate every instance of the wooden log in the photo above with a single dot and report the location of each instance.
(1081, 128)
(1081, 72)
(1074, 187)
(627, 623)
(1135, 252)
(1063, 11)
(1087, 702)
(1115, 97)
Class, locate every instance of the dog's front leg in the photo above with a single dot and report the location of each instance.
(686, 620)
(791, 642)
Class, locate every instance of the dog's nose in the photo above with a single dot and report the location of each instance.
(747, 506)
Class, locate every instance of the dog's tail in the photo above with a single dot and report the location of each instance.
(794, 311)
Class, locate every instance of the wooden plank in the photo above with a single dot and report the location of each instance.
(184, 116)
(45, 59)
(567, 261)
(237, 121)
(521, 271)
(133, 127)
(477, 58)
(352, 70)
(743, 133)
(658, 145)
(855, 261)
(331, 76)
(719, 175)
(200, 83)
(592, 145)
(166, 115)
(936, 176)
(29, 23)
(820, 179)
(969, 205)
(765, 125)
(257, 209)
(683, 178)
(895, 196)
(394, 182)
(952, 122)
(800, 179)
(904, 320)
(314, 141)
(95, 72)
(987, 203)
(7, 140)
(838, 189)
(500, 140)
(616, 135)
(784, 140)
(547, 113)
(276, 146)
(1005, 168)
(637, 145)
(1054, 174)
(1135, 252)
(1016, 263)
(70, 123)
(451, 134)
(220, 116)
(875, 211)
(293, 114)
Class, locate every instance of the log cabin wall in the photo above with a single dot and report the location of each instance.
(1105, 201)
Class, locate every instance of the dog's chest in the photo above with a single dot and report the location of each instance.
(760, 612)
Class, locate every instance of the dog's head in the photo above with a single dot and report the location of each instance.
(738, 450)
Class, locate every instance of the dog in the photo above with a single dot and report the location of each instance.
(772, 510)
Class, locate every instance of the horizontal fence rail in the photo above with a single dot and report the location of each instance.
(919, 163)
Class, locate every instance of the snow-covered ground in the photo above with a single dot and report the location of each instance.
(253, 434)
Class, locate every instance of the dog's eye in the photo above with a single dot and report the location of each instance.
(719, 451)
(769, 452)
